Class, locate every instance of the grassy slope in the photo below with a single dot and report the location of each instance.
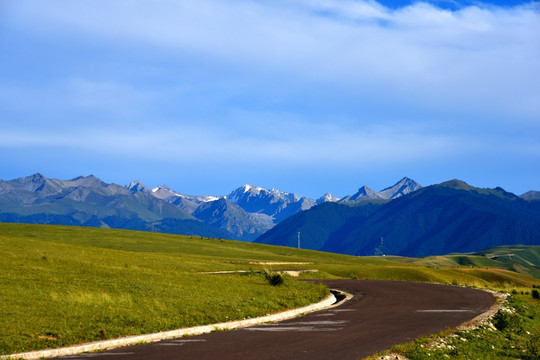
(65, 285)
(516, 258)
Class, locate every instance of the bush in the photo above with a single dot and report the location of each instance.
(503, 320)
(274, 279)
(535, 294)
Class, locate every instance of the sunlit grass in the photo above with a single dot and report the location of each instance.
(67, 285)
(57, 289)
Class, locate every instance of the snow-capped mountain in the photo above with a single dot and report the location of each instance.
(275, 203)
(244, 214)
(327, 198)
(164, 193)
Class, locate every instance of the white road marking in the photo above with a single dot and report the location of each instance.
(443, 310)
(320, 322)
(292, 328)
(179, 342)
(97, 354)
(188, 340)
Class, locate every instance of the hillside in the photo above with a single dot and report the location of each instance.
(226, 215)
(68, 284)
(438, 219)
(88, 201)
(317, 224)
(516, 258)
(519, 258)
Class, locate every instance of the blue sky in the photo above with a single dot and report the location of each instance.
(306, 96)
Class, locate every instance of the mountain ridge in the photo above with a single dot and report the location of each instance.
(245, 214)
(448, 217)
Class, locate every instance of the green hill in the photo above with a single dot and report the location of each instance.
(63, 285)
(520, 259)
(435, 220)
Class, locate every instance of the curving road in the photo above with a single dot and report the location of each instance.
(381, 314)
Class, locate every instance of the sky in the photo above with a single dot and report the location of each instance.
(306, 96)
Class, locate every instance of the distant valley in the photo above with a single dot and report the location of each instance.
(403, 219)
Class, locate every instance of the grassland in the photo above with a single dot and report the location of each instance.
(517, 258)
(67, 285)
(64, 285)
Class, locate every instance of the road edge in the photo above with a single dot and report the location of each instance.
(327, 302)
(481, 319)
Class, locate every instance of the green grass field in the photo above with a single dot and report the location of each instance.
(68, 285)
(517, 258)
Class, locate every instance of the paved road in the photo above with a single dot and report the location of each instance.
(380, 315)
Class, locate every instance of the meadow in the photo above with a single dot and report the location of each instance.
(69, 285)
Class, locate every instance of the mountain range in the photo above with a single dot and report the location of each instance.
(438, 219)
(244, 214)
(402, 219)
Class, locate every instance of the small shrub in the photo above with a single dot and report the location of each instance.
(535, 294)
(502, 320)
(499, 320)
(274, 279)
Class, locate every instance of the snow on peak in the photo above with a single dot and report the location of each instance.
(250, 188)
(208, 198)
(163, 192)
(327, 198)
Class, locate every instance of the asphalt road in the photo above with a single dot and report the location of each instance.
(380, 315)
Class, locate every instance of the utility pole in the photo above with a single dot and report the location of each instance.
(379, 249)
(299, 239)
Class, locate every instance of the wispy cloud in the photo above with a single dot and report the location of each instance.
(302, 145)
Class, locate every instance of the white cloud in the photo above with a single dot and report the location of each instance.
(480, 59)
